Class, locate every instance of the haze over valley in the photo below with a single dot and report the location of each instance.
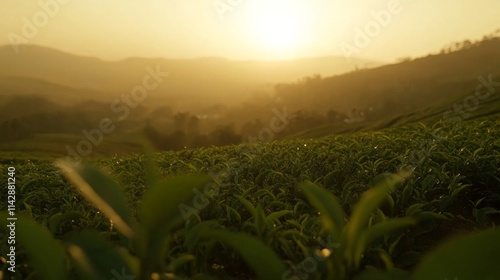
(191, 103)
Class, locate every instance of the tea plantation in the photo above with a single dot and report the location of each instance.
(368, 205)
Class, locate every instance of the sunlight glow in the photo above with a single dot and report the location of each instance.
(278, 25)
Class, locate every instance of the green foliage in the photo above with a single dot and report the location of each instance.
(480, 251)
(262, 259)
(353, 236)
(160, 215)
(345, 220)
(103, 192)
(95, 257)
(471, 257)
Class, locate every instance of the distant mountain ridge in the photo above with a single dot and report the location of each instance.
(417, 83)
(212, 77)
(214, 101)
(423, 89)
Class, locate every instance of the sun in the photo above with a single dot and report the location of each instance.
(277, 25)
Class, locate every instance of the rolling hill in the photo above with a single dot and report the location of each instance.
(49, 94)
(418, 90)
(190, 79)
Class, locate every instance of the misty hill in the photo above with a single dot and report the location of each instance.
(14, 86)
(58, 100)
(193, 80)
(408, 91)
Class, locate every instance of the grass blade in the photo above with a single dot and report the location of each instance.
(368, 202)
(332, 215)
(103, 192)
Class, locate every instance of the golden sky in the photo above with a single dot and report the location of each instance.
(247, 29)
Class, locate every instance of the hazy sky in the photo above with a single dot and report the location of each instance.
(247, 29)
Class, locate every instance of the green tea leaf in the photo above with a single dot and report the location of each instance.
(103, 192)
(260, 220)
(377, 231)
(428, 182)
(29, 211)
(259, 180)
(194, 234)
(330, 178)
(97, 258)
(414, 209)
(54, 221)
(180, 261)
(331, 213)
(273, 217)
(363, 209)
(406, 195)
(468, 257)
(230, 211)
(265, 263)
(248, 205)
(161, 212)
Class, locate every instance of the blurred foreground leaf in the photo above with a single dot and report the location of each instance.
(473, 257)
(45, 253)
(97, 258)
(103, 192)
(265, 262)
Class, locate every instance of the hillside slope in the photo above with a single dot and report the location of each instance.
(418, 90)
(408, 85)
